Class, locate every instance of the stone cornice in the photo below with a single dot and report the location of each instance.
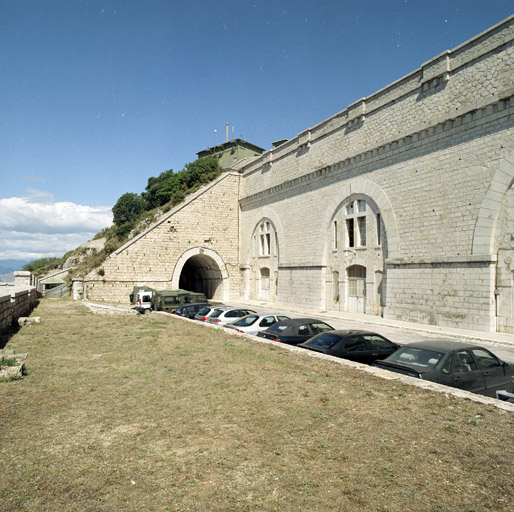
(481, 112)
(447, 260)
(427, 78)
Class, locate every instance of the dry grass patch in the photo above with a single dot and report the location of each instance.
(152, 413)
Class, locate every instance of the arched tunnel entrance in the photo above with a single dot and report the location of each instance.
(201, 273)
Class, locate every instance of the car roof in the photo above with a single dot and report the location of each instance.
(301, 321)
(268, 314)
(442, 345)
(352, 332)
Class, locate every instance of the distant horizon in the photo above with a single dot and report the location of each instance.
(7, 278)
(12, 265)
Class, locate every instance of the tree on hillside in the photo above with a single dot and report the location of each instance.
(155, 184)
(171, 190)
(127, 208)
(201, 171)
(172, 186)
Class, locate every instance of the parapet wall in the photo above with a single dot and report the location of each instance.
(18, 298)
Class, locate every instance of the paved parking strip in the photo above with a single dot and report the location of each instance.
(400, 332)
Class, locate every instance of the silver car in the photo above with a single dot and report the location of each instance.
(204, 314)
(254, 323)
(222, 316)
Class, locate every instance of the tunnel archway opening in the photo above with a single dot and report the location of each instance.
(202, 274)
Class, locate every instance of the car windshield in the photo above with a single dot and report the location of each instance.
(320, 327)
(324, 341)
(217, 313)
(419, 358)
(278, 327)
(204, 311)
(246, 321)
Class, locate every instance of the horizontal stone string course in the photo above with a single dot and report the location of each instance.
(424, 136)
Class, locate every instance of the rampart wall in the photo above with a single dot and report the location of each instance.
(205, 227)
(401, 205)
(431, 156)
(405, 114)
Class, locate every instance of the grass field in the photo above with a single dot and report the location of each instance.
(150, 413)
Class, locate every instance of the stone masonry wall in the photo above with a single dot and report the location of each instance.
(455, 293)
(432, 151)
(431, 156)
(446, 88)
(206, 226)
(6, 313)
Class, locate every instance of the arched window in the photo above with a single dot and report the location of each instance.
(357, 224)
(264, 260)
(356, 247)
(356, 278)
(264, 238)
(355, 213)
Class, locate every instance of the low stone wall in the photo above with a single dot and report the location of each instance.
(16, 304)
(17, 299)
(6, 311)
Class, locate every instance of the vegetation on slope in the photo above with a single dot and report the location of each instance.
(133, 213)
(43, 265)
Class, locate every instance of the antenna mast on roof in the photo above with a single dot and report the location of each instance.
(227, 134)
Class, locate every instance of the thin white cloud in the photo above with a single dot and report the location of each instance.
(37, 227)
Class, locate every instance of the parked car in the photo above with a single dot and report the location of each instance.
(144, 301)
(361, 346)
(189, 310)
(254, 323)
(135, 294)
(459, 365)
(204, 313)
(225, 315)
(295, 330)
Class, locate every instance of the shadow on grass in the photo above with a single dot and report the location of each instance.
(7, 334)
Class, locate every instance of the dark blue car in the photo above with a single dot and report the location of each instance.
(459, 365)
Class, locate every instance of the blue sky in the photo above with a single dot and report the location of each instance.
(96, 96)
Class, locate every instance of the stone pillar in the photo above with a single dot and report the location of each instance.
(23, 279)
(78, 289)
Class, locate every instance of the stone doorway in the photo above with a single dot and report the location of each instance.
(357, 289)
(201, 273)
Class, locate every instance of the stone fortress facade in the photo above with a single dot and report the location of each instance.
(401, 205)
